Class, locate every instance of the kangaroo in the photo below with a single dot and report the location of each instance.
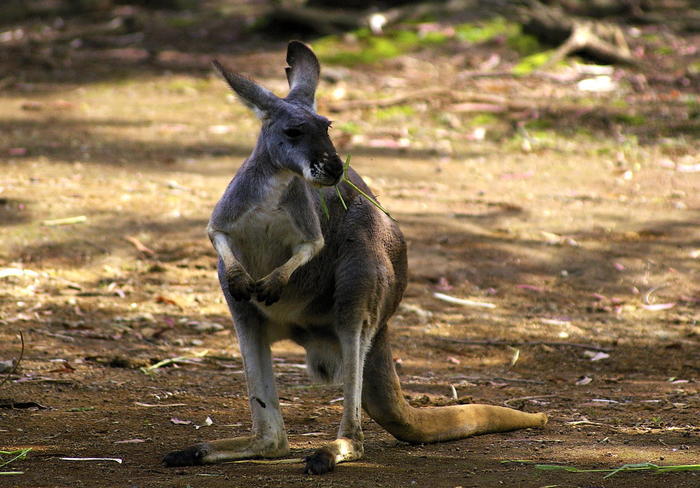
(328, 281)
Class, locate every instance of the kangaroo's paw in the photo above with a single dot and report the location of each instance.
(320, 462)
(269, 289)
(227, 450)
(190, 456)
(240, 284)
(325, 458)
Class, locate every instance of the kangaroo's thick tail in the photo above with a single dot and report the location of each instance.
(383, 400)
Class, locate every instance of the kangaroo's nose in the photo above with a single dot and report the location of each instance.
(335, 168)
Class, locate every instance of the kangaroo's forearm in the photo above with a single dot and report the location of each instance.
(223, 249)
(303, 253)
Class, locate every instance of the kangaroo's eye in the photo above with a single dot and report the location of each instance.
(293, 133)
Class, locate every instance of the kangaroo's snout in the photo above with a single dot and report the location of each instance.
(331, 170)
(334, 168)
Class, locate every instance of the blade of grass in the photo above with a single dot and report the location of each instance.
(654, 467)
(345, 179)
(18, 454)
(626, 467)
(342, 201)
(369, 199)
(166, 362)
(679, 467)
(346, 166)
(570, 469)
(324, 207)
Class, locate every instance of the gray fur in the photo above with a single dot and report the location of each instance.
(289, 272)
(329, 284)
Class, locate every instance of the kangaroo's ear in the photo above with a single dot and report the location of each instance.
(259, 99)
(302, 73)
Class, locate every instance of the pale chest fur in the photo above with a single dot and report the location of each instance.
(265, 236)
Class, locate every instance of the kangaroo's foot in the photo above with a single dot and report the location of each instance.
(325, 458)
(227, 450)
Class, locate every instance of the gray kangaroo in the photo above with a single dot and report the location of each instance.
(327, 282)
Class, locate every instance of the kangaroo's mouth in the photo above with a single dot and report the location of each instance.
(325, 174)
(326, 180)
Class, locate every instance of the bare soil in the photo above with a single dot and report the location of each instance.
(583, 235)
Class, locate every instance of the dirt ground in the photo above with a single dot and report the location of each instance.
(579, 230)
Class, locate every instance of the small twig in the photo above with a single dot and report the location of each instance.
(534, 397)
(553, 77)
(53, 334)
(482, 379)
(268, 461)
(541, 441)
(412, 96)
(166, 362)
(140, 246)
(66, 221)
(165, 405)
(16, 365)
(116, 460)
(462, 301)
(525, 343)
(651, 291)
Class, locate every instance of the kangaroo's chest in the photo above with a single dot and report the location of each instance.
(265, 238)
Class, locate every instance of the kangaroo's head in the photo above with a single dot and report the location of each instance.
(293, 134)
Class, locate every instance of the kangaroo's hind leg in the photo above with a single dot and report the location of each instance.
(360, 289)
(348, 444)
(268, 438)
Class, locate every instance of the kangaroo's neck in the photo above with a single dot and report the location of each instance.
(271, 180)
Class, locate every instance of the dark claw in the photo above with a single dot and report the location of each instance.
(320, 462)
(192, 456)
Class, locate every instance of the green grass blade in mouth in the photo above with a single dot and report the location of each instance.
(324, 207)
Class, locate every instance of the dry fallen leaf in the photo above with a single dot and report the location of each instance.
(168, 301)
(596, 356)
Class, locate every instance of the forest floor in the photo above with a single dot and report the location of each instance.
(566, 209)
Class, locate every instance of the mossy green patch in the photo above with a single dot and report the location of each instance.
(480, 120)
(349, 127)
(619, 103)
(539, 124)
(664, 50)
(485, 31)
(395, 112)
(634, 120)
(530, 63)
(524, 44)
(182, 22)
(363, 47)
(365, 50)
